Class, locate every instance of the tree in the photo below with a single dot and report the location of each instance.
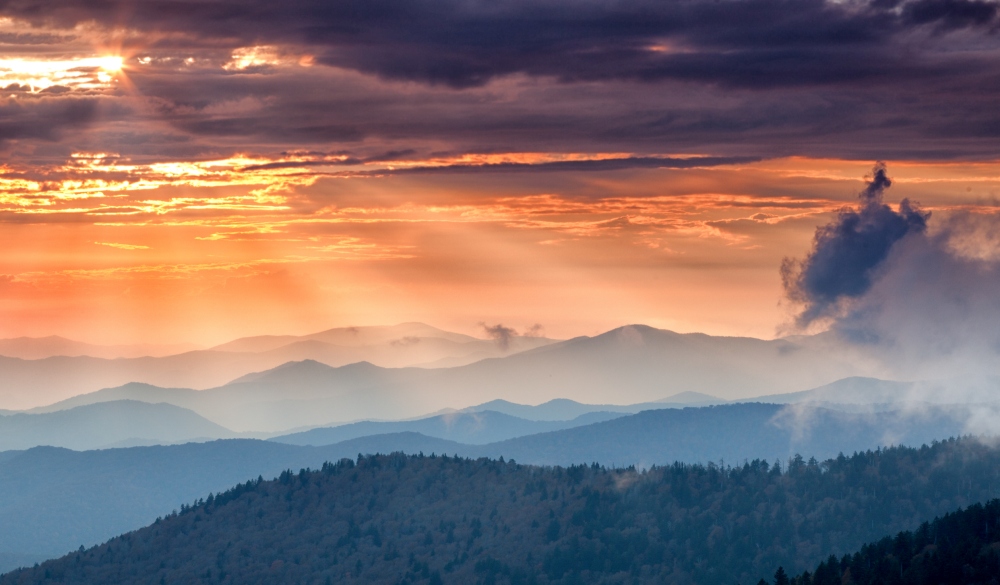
(780, 578)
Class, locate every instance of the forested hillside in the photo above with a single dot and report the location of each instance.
(432, 519)
(961, 548)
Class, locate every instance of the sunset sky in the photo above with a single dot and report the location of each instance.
(197, 171)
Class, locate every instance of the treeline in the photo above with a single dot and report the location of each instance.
(434, 519)
(961, 548)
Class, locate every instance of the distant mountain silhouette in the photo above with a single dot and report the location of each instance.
(53, 376)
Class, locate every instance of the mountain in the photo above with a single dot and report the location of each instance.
(400, 519)
(955, 549)
(638, 364)
(732, 432)
(399, 335)
(851, 390)
(473, 428)
(36, 348)
(561, 409)
(406, 344)
(635, 364)
(107, 424)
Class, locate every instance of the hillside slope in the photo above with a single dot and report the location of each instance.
(391, 519)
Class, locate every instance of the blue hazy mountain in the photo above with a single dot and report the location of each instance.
(53, 500)
(560, 409)
(473, 428)
(107, 424)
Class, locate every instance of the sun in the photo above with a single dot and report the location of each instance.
(108, 66)
(111, 63)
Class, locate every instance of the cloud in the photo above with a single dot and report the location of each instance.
(916, 293)
(501, 335)
(45, 119)
(123, 246)
(536, 330)
(933, 308)
(753, 43)
(847, 252)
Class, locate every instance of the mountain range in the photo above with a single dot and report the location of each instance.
(634, 364)
(35, 372)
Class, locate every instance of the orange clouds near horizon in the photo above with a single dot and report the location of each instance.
(204, 252)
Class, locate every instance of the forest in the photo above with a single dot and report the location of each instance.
(445, 519)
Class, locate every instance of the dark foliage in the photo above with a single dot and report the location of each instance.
(433, 519)
(961, 548)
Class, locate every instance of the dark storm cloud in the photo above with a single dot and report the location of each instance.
(462, 43)
(847, 253)
(735, 78)
(614, 164)
(44, 119)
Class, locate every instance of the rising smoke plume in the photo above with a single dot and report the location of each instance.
(500, 334)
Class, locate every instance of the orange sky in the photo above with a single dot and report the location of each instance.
(206, 252)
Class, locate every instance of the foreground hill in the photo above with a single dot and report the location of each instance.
(960, 548)
(107, 424)
(391, 519)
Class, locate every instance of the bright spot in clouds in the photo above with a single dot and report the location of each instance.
(37, 75)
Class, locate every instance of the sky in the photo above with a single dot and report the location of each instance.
(175, 171)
